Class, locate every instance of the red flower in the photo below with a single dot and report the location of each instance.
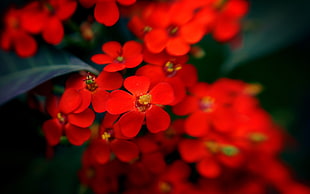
(111, 141)
(227, 23)
(65, 120)
(171, 69)
(118, 57)
(106, 12)
(172, 27)
(56, 11)
(142, 103)
(207, 108)
(93, 89)
(210, 153)
(16, 36)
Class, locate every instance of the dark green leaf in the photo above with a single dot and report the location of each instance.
(18, 75)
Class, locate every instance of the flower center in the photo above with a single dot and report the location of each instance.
(171, 68)
(108, 134)
(120, 59)
(212, 146)
(257, 137)
(165, 187)
(172, 30)
(90, 82)
(220, 3)
(62, 118)
(13, 22)
(143, 102)
(147, 29)
(207, 104)
(230, 150)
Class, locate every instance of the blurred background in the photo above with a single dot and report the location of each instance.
(273, 52)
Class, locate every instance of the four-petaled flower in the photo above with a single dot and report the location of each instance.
(66, 121)
(93, 89)
(142, 103)
(119, 57)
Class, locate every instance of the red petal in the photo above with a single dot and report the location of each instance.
(154, 162)
(86, 97)
(188, 74)
(87, 3)
(101, 151)
(101, 59)
(33, 19)
(69, 101)
(187, 106)
(153, 72)
(52, 105)
(106, 13)
(157, 119)
(83, 119)
(109, 120)
(25, 45)
(6, 40)
(109, 81)
(192, 150)
(236, 8)
(77, 135)
(134, 61)
(178, 89)
(177, 46)
(197, 124)
(130, 123)
(126, 2)
(66, 10)
(226, 30)
(114, 67)
(52, 130)
(125, 151)
(120, 102)
(162, 93)
(99, 100)
(75, 81)
(53, 31)
(208, 168)
(192, 32)
(147, 145)
(156, 40)
(112, 48)
(137, 85)
(132, 49)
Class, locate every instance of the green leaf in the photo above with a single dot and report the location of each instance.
(18, 75)
(271, 26)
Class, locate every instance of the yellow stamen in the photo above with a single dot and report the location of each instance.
(257, 137)
(106, 136)
(165, 187)
(212, 146)
(206, 104)
(145, 99)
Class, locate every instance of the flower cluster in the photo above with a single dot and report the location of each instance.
(161, 129)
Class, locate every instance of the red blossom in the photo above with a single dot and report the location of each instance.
(56, 12)
(173, 27)
(227, 23)
(16, 36)
(66, 121)
(106, 12)
(141, 104)
(119, 57)
(93, 89)
(171, 69)
(111, 141)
